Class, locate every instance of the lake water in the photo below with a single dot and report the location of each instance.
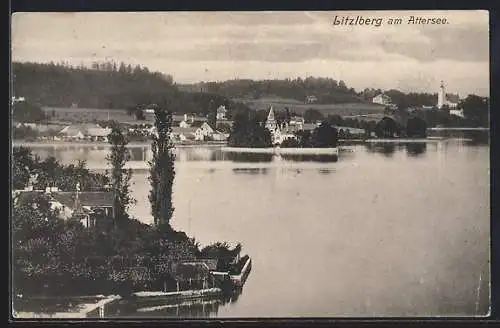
(387, 230)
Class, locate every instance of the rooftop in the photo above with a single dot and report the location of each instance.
(179, 130)
(67, 198)
(87, 198)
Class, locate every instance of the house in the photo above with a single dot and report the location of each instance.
(206, 129)
(287, 132)
(221, 113)
(189, 133)
(72, 132)
(308, 126)
(88, 131)
(457, 112)
(191, 273)
(219, 136)
(382, 100)
(296, 120)
(187, 120)
(82, 205)
(18, 99)
(33, 126)
(97, 133)
(311, 99)
(452, 100)
(352, 131)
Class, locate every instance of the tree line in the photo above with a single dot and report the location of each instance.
(106, 85)
(326, 90)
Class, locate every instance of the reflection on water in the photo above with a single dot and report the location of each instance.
(413, 149)
(385, 148)
(349, 225)
(250, 170)
(249, 157)
(416, 149)
(197, 308)
(310, 158)
(476, 136)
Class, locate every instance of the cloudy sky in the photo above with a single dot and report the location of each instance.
(207, 46)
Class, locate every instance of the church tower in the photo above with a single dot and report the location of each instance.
(271, 124)
(441, 96)
(273, 127)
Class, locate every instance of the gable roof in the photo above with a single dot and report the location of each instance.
(270, 116)
(211, 263)
(85, 129)
(98, 132)
(67, 198)
(308, 126)
(381, 95)
(207, 126)
(179, 130)
(86, 198)
(197, 124)
(221, 109)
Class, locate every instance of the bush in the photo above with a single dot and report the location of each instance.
(290, 143)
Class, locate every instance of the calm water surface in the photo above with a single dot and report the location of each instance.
(387, 230)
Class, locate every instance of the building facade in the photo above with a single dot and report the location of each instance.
(382, 100)
(446, 99)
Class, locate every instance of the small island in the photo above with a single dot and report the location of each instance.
(74, 240)
(248, 135)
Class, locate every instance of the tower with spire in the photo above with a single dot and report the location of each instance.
(272, 126)
(271, 123)
(441, 96)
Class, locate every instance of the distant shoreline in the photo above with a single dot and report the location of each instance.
(17, 143)
(35, 144)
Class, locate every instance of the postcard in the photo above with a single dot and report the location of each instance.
(250, 164)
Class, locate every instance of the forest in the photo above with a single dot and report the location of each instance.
(107, 85)
(326, 90)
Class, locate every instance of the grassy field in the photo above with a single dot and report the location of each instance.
(346, 109)
(78, 115)
(65, 114)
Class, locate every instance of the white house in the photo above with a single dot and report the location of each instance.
(457, 112)
(18, 99)
(220, 136)
(221, 113)
(382, 100)
(206, 129)
(297, 122)
(190, 133)
(311, 99)
(89, 131)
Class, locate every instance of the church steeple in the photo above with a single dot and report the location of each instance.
(270, 116)
(271, 121)
(441, 96)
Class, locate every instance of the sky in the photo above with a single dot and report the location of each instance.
(216, 46)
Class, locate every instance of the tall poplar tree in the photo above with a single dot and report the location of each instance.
(119, 177)
(162, 171)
